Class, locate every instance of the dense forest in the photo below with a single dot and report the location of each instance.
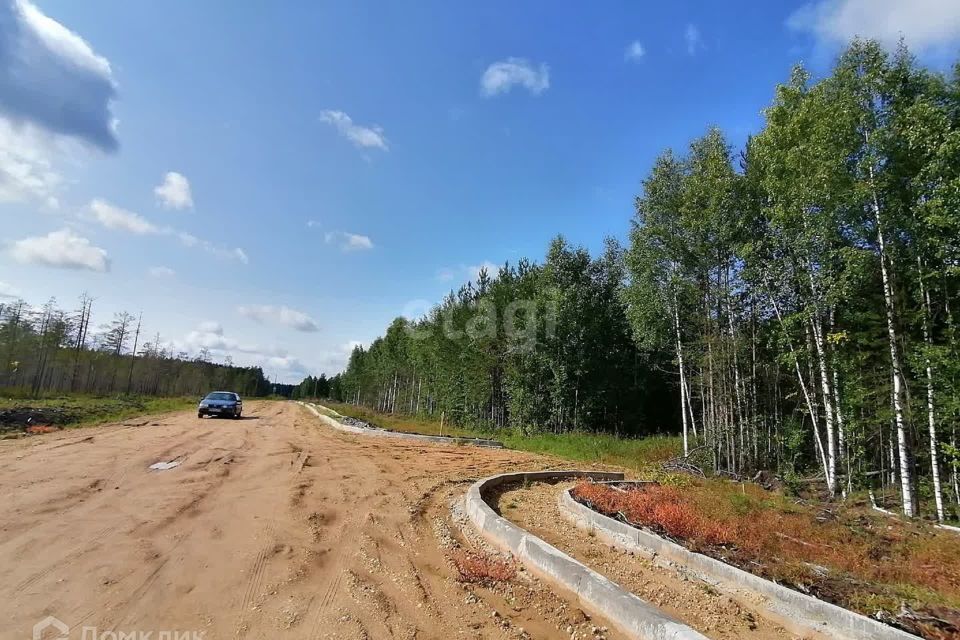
(789, 306)
(49, 349)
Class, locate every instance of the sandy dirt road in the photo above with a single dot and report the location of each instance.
(273, 526)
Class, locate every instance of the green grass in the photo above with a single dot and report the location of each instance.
(632, 453)
(87, 410)
(406, 424)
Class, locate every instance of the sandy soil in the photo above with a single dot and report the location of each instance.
(271, 527)
(534, 507)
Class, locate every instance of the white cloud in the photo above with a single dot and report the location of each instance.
(161, 272)
(501, 77)
(312, 224)
(474, 270)
(188, 239)
(691, 35)
(191, 241)
(63, 249)
(51, 78)
(363, 137)
(924, 24)
(210, 326)
(265, 313)
(467, 272)
(337, 359)
(348, 241)
(8, 290)
(446, 274)
(113, 217)
(26, 171)
(174, 192)
(634, 52)
(210, 336)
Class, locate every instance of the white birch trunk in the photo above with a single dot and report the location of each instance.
(683, 379)
(827, 404)
(803, 388)
(903, 451)
(931, 410)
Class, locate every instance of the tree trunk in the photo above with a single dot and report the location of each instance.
(827, 404)
(931, 411)
(907, 493)
(683, 380)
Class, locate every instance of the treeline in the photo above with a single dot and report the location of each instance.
(49, 349)
(537, 347)
(793, 302)
(317, 387)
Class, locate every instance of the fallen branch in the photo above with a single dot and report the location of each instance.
(873, 503)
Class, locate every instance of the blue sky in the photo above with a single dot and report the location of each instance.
(276, 181)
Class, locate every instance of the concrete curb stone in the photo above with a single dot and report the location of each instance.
(796, 611)
(632, 615)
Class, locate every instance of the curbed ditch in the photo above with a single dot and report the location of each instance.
(633, 615)
(798, 612)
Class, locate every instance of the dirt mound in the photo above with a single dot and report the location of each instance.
(24, 417)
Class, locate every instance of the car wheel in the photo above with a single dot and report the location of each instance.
(200, 415)
(236, 416)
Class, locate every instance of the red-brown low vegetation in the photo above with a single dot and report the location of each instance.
(41, 428)
(897, 570)
(482, 569)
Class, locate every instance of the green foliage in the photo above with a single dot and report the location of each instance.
(49, 350)
(533, 348)
(787, 286)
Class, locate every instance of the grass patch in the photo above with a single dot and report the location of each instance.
(638, 454)
(79, 410)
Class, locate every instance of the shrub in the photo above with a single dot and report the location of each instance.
(482, 569)
(660, 508)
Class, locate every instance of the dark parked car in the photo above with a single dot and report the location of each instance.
(221, 403)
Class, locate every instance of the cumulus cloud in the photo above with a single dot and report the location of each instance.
(348, 241)
(693, 39)
(634, 52)
(64, 249)
(282, 315)
(371, 137)
(209, 336)
(336, 359)
(8, 290)
(924, 24)
(161, 272)
(174, 192)
(51, 78)
(501, 77)
(117, 219)
(26, 171)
